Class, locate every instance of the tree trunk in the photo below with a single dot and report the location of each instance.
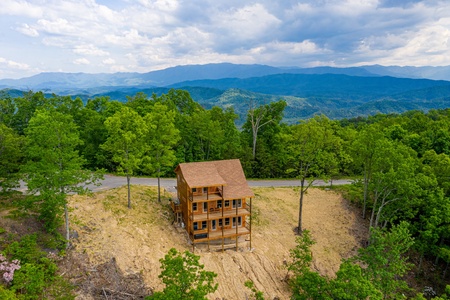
(66, 215)
(366, 183)
(299, 228)
(129, 194)
(419, 268)
(255, 135)
(159, 185)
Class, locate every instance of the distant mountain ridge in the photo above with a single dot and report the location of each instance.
(335, 92)
(68, 82)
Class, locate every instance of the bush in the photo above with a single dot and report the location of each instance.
(29, 281)
(7, 294)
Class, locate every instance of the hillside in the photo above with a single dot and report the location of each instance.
(136, 239)
(336, 93)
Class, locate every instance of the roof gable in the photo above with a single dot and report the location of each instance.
(227, 173)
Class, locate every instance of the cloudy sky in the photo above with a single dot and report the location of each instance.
(94, 36)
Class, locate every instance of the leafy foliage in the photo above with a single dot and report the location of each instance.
(184, 277)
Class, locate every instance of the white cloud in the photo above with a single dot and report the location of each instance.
(246, 23)
(20, 8)
(89, 50)
(108, 61)
(13, 64)
(141, 35)
(28, 30)
(81, 61)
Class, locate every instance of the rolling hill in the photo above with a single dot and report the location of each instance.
(335, 92)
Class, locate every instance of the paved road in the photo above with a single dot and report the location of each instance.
(117, 181)
(111, 181)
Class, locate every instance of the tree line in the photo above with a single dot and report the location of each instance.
(400, 162)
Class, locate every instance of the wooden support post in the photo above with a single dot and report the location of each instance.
(207, 219)
(251, 223)
(236, 223)
(223, 221)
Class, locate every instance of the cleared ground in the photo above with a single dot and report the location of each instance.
(135, 239)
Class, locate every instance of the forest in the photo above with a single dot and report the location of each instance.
(400, 164)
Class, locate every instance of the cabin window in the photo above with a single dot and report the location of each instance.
(204, 225)
(237, 203)
(195, 226)
(194, 206)
(239, 221)
(205, 190)
(220, 222)
(219, 203)
(200, 236)
(227, 203)
(227, 221)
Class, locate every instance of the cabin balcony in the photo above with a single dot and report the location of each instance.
(204, 236)
(206, 196)
(176, 207)
(216, 213)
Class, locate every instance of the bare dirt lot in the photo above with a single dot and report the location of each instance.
(133, 240)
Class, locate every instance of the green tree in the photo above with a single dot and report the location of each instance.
(301, 255)
(351, 284)
(54, 168)
(7, 108)
(93, 131)
(126, 142)
(25, 108)
(364, 150)
(184, 277)
(312, 146)
(140, 103)
(256, 295)
(261, 116)
(11, 145)
(393, 179)
(162, 136)
(386, 259)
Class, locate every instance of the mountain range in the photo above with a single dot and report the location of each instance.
(335, 92)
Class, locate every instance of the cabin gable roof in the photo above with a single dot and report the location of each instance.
(226, 173)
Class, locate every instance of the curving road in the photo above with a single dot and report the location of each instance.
(111, 181)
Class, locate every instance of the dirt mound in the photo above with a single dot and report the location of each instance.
(131, 241)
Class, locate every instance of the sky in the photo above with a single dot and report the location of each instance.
(108, 36)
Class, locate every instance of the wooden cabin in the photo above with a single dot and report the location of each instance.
(214, 202)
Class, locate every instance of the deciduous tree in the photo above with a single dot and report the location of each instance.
(126, 142)
(54, 168)
(161, 138)
(11, 154)
(184, 277)
(311, 146)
